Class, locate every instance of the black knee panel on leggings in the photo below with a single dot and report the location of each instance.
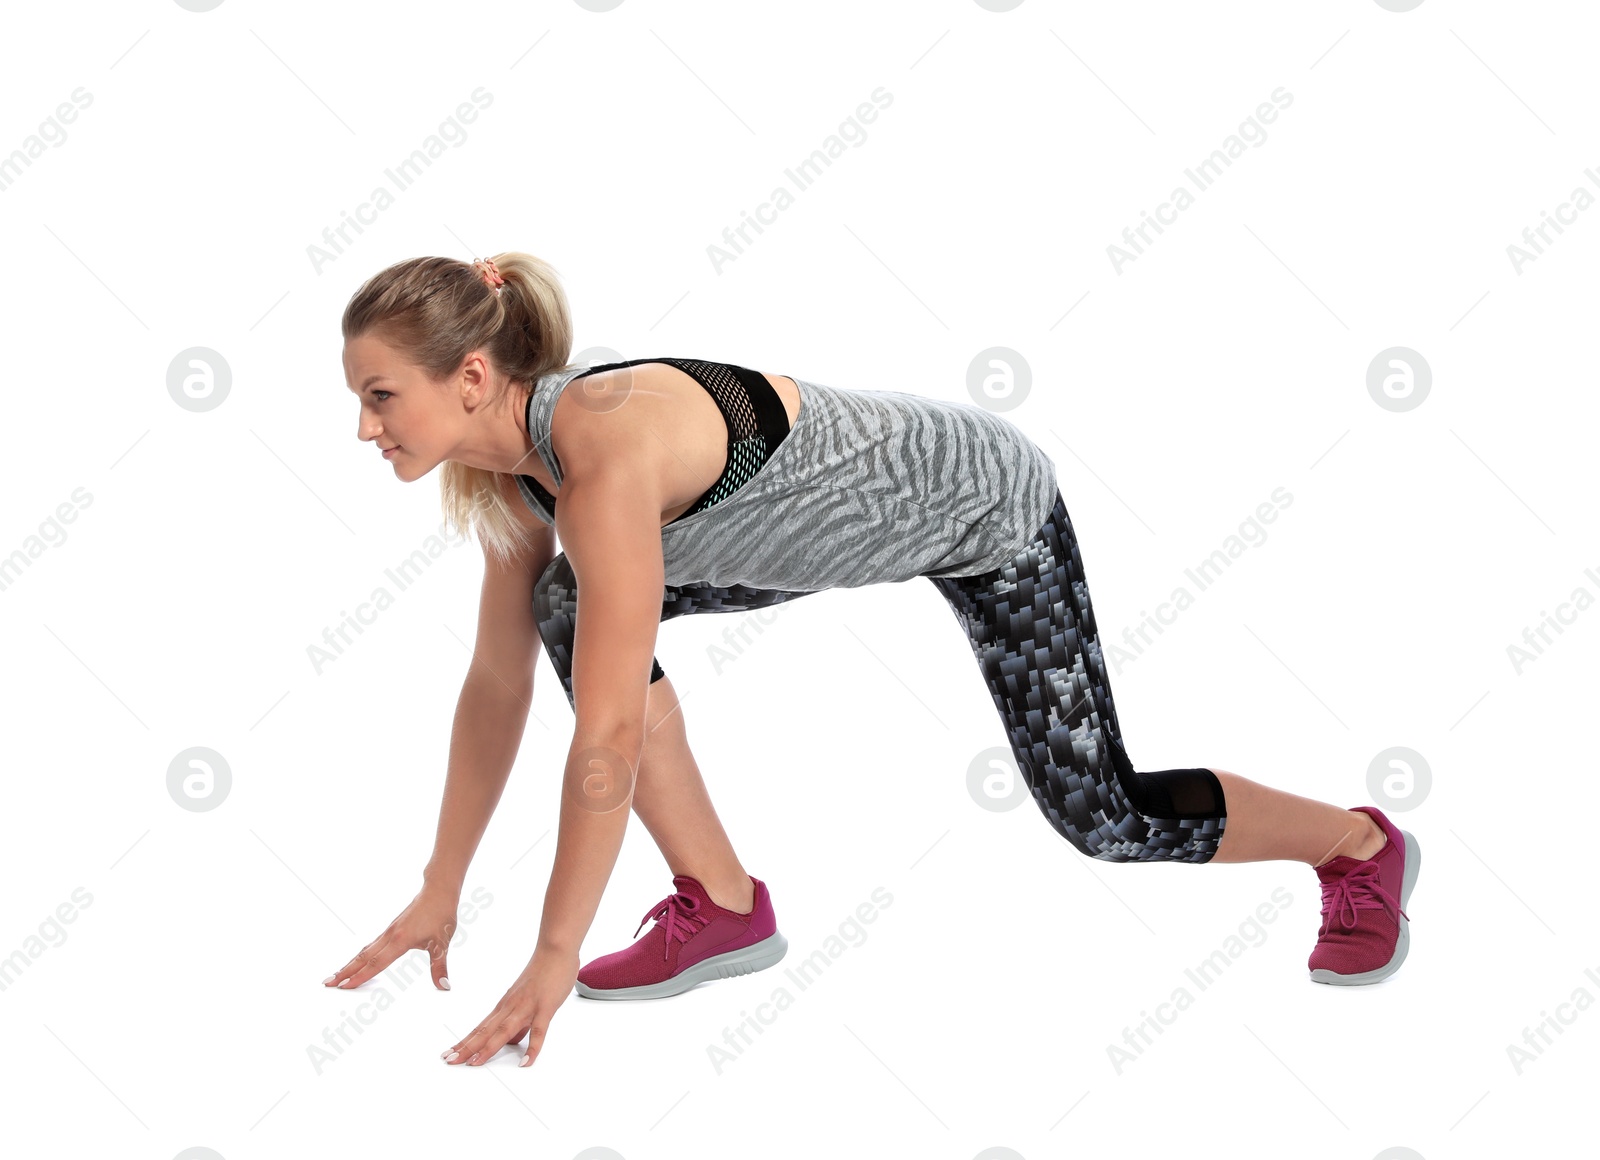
(1170, 793)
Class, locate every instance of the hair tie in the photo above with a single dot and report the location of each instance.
(491, 276)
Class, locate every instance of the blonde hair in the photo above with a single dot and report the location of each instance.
(436, 311)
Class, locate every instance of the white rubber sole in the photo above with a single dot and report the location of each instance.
(1401, 945)
(744, 961)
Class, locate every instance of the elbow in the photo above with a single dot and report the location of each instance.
(603, 767)
(611, 739)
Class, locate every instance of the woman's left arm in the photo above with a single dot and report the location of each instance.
(609, 524)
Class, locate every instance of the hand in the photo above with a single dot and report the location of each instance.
(426, 924)
(529, 1005)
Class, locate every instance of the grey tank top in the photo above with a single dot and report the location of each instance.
(868, 487)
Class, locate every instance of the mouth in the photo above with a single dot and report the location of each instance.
(389, 452)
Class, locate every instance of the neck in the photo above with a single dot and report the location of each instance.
(521, 398)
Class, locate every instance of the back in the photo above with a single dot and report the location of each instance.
(868, 487)
(872, 487)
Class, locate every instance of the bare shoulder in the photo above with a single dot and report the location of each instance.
(634, 410)
(657, 411)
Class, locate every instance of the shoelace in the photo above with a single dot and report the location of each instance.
(679, 913)
(1357, 890)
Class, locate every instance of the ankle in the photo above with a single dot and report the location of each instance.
(1371, 840)
(1364, 841)
(739, 897)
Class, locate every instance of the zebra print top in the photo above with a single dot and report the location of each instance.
(867, 487)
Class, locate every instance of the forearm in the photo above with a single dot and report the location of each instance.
(596, 800)
(484, 738)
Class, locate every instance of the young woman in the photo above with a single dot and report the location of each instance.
(680, 486)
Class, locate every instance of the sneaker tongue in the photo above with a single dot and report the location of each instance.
(683, 884)
(691, 886)
(1337, 867)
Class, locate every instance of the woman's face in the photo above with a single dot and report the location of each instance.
(401, 409)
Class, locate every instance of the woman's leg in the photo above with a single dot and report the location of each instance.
(1266, 823)
(671, 799)
(1032, 629)
(1031, 626)
(669, 794)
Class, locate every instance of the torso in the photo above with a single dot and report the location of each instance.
(682, 414)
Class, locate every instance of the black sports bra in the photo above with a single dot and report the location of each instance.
(757, 423)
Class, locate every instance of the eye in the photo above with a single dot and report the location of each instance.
(386, 394)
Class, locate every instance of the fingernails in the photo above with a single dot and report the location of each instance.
(444, 983)
(451, 1058)
(444, 1053)
(330, 978)
(474, 1058)
(348, 981)
(526, 1060)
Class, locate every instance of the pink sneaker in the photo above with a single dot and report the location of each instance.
(1365, 930)
(693, 940)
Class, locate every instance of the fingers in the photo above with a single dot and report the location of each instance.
(372, 958)
(501, 1029)
(436, 962)
(535, 1045)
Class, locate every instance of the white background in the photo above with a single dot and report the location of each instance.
(180, 1007)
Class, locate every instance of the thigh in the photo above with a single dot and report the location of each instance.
(687, 599)
(556, 595)
(555, 607)
(1032, 618)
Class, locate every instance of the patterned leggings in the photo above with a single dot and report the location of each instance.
(1032, 630)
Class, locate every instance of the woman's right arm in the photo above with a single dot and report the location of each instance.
(485, 735)
(492, 710)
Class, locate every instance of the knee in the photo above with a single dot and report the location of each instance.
(1178, 794)
(1168, 794)
(555, 611)
(662, 712)
(1175, 815)
(554, 592)
(1166, 815)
